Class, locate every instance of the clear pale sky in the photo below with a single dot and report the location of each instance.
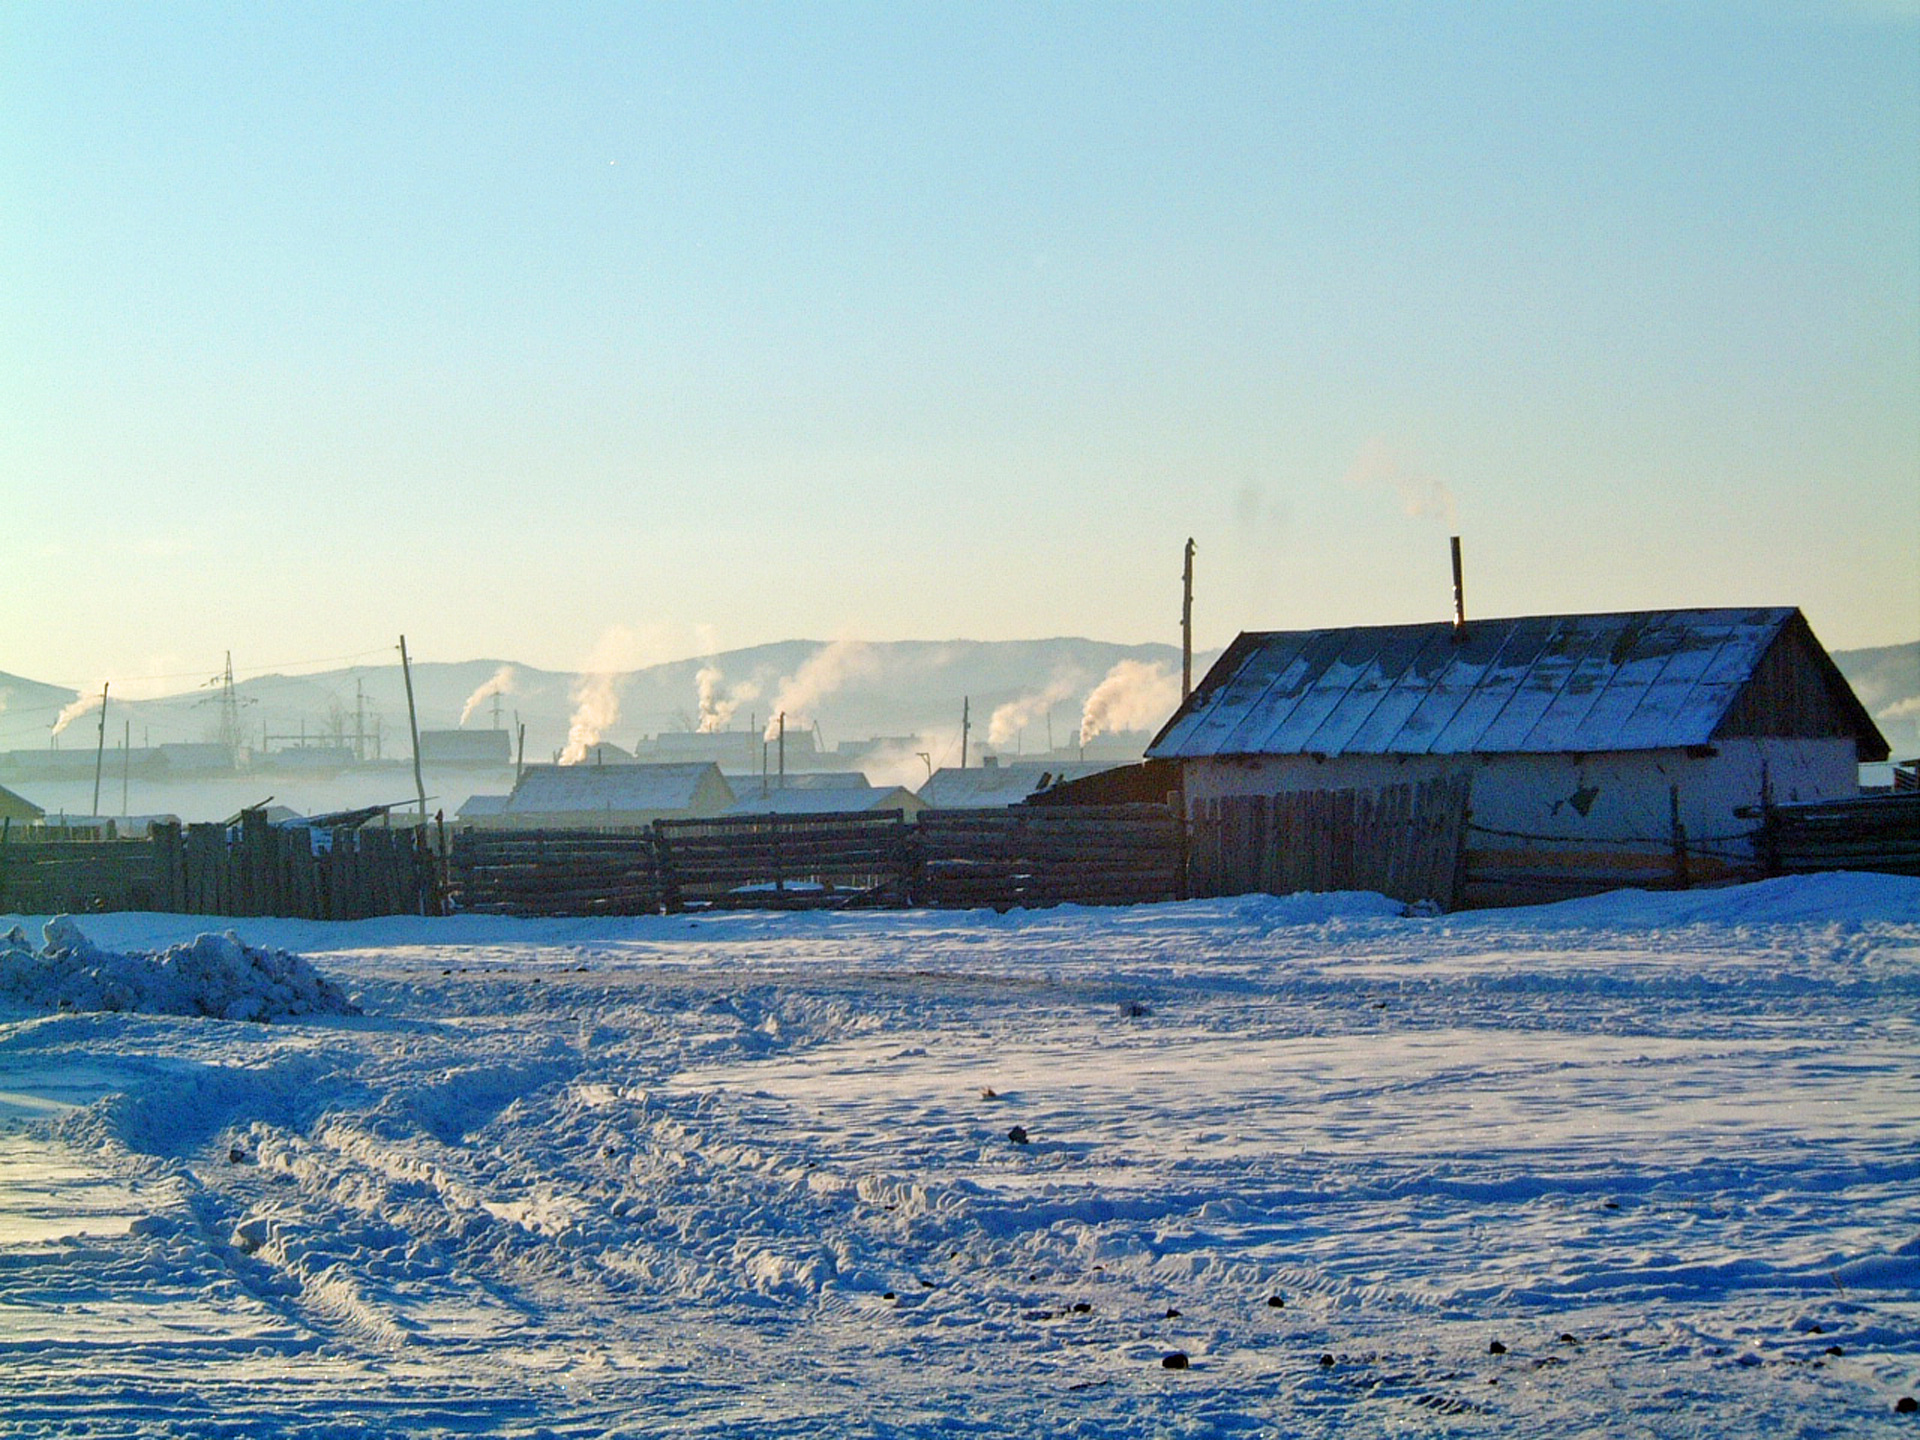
(573, 333)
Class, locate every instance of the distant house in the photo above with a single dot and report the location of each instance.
(195, 759)
(606, 797)
(478, 806)
(1597, 749)
(465, 747)
(824, 799)
(738, 752)
(1001, 783)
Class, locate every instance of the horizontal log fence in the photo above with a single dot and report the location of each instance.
(1874, 832)
(1051, 855)
(786, 862)
(1001, 858)
(556, 872)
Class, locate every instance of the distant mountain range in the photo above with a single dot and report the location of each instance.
(1038, 690)
(851, 691)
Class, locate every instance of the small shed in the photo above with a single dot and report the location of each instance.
(1583, 752)
(609, 797)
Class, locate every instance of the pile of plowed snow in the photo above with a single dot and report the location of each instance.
(212, 975)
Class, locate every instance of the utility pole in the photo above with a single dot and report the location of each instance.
(1186, 625)
(413, 723)
(100, 752)
(966, 726)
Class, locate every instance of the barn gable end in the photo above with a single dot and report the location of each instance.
(1796, 690)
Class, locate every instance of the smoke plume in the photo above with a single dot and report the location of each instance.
(1014, 716)
(74, 711)
(825, 671)
(1421, 496)
(717, 706)
(1134, 696)
(502, 683)
(596, 691)
(596, 706)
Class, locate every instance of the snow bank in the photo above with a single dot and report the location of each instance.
(213, 975)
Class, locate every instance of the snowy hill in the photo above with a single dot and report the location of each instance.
(1887, 680)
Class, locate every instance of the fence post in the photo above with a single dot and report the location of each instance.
(1681, 879)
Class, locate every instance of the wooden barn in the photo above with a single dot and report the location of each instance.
(1513, 760)
(605, 797)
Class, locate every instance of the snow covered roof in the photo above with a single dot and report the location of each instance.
(546, 789)
(1002, 784)
(822, 800)
(1645, 680)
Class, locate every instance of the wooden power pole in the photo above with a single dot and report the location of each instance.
(1186, 625)
(413, 724)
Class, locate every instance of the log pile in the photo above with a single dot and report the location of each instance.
(1874, 832)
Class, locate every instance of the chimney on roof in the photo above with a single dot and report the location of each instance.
(1459, 596)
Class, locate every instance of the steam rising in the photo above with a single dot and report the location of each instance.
(74, 711)
(1134, 696)
(1014, 716)
(596, 692)
(1421, 496)
(502, 683)
(717, 708)
(825, 671)
(596, 706)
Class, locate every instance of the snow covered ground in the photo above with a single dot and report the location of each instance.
(1640, 1165)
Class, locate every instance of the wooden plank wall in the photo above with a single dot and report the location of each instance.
(1405, 841)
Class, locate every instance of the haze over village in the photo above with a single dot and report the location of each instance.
(910, 721)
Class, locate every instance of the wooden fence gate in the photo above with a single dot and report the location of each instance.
(1405, 841)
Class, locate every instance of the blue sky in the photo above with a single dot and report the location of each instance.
(629, 332)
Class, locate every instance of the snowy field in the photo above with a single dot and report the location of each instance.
(1635, 1166)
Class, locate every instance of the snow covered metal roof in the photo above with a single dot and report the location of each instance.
(549, 789)
(1003, 783)
(822, 799)
(1644, 680)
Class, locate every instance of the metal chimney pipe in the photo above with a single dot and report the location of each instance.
(1459, 596)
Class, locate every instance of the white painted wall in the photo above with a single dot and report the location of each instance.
(1625, 793)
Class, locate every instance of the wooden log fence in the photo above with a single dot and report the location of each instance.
(556, 872)
(786, 861)
(252, 868)
(1051, 855)
(1874, 832)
